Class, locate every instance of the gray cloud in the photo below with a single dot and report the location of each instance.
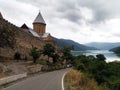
(72, 15)
(68, 10)
(68, 18)
(60, 8)
(102, 9)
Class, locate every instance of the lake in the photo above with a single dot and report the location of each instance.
(110, 56)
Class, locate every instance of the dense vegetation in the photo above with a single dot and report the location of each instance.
(106, 74)
(54, 61)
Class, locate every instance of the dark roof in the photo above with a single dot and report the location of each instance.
(24, 26)
(39, 19)
(1, 15)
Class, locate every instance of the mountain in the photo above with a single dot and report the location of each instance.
(65, 42)
(103, 45)
(116, 50)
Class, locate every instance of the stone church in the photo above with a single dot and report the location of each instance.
(39, 28)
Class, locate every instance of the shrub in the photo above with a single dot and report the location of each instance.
(17, 56)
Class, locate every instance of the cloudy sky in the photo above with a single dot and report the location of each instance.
(80, 20)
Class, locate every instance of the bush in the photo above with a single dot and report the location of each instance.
(17, 56)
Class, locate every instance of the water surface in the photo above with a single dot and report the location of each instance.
(110, 56)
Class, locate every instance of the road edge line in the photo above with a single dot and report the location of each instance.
(63, 80)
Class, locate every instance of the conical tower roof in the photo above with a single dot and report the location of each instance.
(1, 15)
(39, 19)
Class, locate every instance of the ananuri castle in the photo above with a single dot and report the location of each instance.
(39, 28)
(25, 37)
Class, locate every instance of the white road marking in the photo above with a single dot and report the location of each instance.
(63, 80)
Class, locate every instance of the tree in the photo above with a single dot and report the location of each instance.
(100, 57)
(35, 53)
(48, 50)
(17, 56)
(67, 53)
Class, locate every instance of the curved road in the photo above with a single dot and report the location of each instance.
(46, 81)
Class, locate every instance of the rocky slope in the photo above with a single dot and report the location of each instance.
(24, 41)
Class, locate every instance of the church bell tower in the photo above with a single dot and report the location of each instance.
(39, 24)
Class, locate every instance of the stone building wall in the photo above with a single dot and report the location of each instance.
(39, 28)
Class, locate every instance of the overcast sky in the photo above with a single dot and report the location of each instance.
(80, 20)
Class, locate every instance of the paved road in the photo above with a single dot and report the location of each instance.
(46, 81)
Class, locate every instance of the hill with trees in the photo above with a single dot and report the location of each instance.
(116, 50)
(105, 74)
(70, 43)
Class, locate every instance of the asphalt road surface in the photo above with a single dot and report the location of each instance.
(46, 81)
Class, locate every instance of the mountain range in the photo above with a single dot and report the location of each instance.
(103, 45)
(66, 42)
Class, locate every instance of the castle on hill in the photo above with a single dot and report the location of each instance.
(26, 38)
(39, 28)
